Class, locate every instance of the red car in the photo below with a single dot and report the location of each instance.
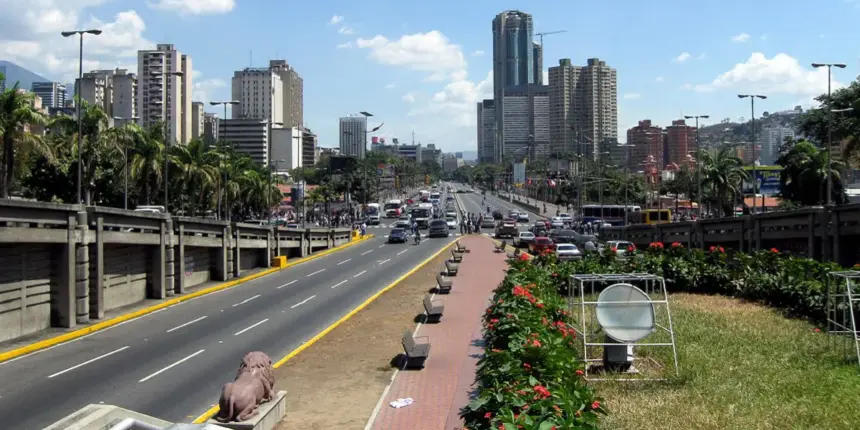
(541, 244)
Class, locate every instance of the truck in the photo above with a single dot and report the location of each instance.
(422, 214)
(424, 195)
(393, 208)
(507, 227)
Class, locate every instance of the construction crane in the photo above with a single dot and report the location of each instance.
(547, 33)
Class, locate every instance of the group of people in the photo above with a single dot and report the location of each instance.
(470, 222)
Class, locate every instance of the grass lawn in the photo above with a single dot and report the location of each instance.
(743, 366)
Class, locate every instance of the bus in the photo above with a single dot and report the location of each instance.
(611, 214)
(650, 216)
(421, 215)
(393, 208)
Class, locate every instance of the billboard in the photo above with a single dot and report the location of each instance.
(767, 178)
(374, 140)
(519, 173)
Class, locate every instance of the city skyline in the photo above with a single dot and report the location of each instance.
(429, 75)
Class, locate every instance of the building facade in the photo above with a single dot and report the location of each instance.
(526, 122)
(164, 90)
(115, 91)
(210, 128)
(410, 152)
(680, 142)
(259, 93)
(353, 136)
(772, 138)
(513, 65)
(248, 136)
(645, 140)
(310, 143)
(292, 93)
(53, 94)
(286, 149)
(197, 121)
(486, 131)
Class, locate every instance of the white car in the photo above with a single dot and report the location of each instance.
(567, 252)
(566, 217)
(403, 223)
(556, 222)
(452, 222)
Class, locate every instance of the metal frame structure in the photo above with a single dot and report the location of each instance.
(593, 283)
(843, 306)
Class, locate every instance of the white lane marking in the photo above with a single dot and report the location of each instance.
(366, 252)
(380, 246)
(344, 261)
(302, 302)
(316, 273)
(172, 366)
(360, 273)
(89, 361)
(384, 261)
(248, 328)
(338, 284)
(246, 300)
(186, 324)
(401, 252)
(287, 284)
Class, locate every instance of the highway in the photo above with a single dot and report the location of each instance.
(471, 202)
(171, 364)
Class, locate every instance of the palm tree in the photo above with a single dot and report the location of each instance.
(805, 172)
(96, 146)
(147, 161)
(196, 162)
(723, 172)
(17, 115)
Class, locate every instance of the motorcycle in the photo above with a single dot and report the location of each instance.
(417, 239)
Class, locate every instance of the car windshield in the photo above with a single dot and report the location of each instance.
(526, 235)
(566, 248)
(397, 231)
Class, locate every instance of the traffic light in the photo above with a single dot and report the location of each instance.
(426, 179)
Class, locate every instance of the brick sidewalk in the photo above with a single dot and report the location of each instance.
(444, 385)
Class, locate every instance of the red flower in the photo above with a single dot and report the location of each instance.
(488, 415)
(524, 257)
(631, 249)
(579, 372)
(595, 405)
(677, 245)
(816, 330)
(494, 321)
(536, 343)
(527, 366)
(722, 250)
(539, 305)
(774, 250)
(656, 245)
(541, 391)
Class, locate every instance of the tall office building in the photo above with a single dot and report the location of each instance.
(115, 91)
(537, 54)
(353, 136)
(513, 65)
(274, 93)
(251, 136)
(486, 131)
(584, 102)
(164, 90)
(526, 121)
(197, 125)
(210, 128)
(53, 94)
(772, 138)
(293, 94)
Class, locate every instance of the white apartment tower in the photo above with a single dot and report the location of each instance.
(197, 113)
(274, 93)
(115, 91)
(164, 91)
(583, 106)
(353, 136)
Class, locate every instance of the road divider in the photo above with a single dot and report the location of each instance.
(103, 325)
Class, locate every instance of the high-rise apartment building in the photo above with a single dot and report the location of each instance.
(164, 91)
(584, 106)
(645, 140)
(293, 93)
(115, 91)
(197, 125)
(772, 138)
(210, 128)
(310, 142)
(513, 65)
(53, 94)
(486, 131)
(537, 54)
(680, 142)
(275, 93)
(526, 121)
(353, 136)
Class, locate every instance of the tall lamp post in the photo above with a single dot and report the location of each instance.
(94, 32)
(830, 67)
(125, 160)
(223, 182)
(699, 158)
(629, 147)
(165, 74)
(752, 98)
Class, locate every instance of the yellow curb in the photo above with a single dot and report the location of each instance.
(498, 242)
(214, 409)
(47, 343)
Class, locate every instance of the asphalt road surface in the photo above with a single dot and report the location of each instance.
(472, 203)
(171, 364)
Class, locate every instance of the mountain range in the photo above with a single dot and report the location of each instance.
(16, 73)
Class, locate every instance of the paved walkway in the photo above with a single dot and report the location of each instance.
(444, 385)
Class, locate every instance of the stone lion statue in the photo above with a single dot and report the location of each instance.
(254, 384)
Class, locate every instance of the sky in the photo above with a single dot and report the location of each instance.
(423, 66)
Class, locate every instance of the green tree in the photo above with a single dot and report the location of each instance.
(17, 118)
(804, 175)
(846, 125)
(723, 174)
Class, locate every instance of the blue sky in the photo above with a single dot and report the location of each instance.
(424, 65)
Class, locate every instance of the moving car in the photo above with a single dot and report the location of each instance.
(507, 228)
(524, 239)
(488, 221)
(522, 217)
(566, 217)
(567, 252)
(398, 235)
(403, 223)
(452, 222)
(556, 222)
(438, 228)
(619, 247)
(449, 213)
(541, 244)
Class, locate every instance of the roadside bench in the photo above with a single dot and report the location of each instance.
(416, 349)
(460, 248)
(434, 307)
(501, 247)
(444, 284)
(457, 257)
(451, 268)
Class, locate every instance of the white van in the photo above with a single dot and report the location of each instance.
(373, 215)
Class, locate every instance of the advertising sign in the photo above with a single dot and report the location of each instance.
(519, 173)
(767, 178)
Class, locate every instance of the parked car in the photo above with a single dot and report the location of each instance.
(397, 235)
(540, 244)
(507, 228)
(524, 239)
(619, 247)
(567, 252)
(438, 228)
(562, 236)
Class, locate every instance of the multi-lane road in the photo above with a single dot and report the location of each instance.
(171, 363)
(471, 202)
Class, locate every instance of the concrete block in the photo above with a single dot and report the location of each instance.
(268, 415)
(100, 417)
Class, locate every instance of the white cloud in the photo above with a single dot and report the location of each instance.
(782, 74)
(335, 20)
(391, 86)
(195, 7)
(459, 100)
(409, 97)
(740, 38)
(345, 30)
(29, 37)
(632, 96)
(204, 89)
(477, 53)
(344, 45)
(683, 57)
(425, 52)
(659, 79)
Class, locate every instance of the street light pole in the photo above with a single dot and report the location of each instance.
(698, 161)
(125, 160)
(165, 74)
(830, 67)
(752, 98)
(223, 183)
(94, 32)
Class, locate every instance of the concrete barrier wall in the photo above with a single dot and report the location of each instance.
(63, 265)
(827, 234)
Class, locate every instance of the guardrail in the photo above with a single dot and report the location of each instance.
(63, 265)
(827, 234)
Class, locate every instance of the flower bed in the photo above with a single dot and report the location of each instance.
(529, 377)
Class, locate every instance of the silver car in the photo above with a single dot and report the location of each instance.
(567, 252)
